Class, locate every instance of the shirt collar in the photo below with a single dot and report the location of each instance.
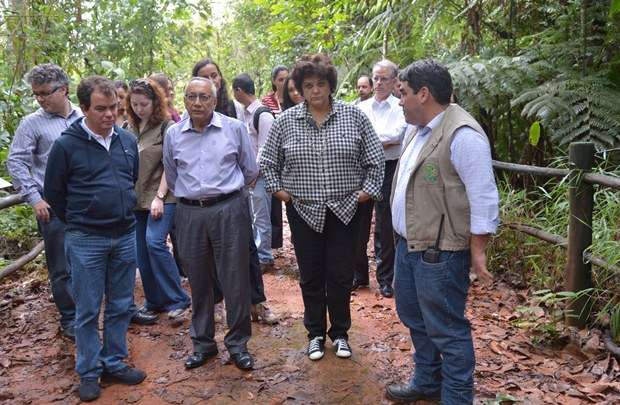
(253, 106)
(432, 124)
(303, 112)
(74, 110)
(388, 101)
(216, 121)
(92, 134)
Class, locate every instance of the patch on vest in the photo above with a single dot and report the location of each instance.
(430, 173)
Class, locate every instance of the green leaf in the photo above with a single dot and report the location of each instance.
(535, 133)
(614, 8)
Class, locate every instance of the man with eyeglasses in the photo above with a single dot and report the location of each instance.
(388, 121)
(26, 163)
(208, 160)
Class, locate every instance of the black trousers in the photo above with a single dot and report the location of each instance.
(361, 252)
(277, 227)
(326, 266)
(384, 232)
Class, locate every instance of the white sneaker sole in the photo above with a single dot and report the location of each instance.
(316, 356)
(343, 354)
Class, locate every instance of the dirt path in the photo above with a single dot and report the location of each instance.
(36, 364)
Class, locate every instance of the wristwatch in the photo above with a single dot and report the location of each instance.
(161, 196)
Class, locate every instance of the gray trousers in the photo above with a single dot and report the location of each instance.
(213, 247)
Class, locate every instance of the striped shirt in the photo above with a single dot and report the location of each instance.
(30, 148)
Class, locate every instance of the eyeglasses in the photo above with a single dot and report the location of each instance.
(43, 94)
(382, 79)
(201, 98)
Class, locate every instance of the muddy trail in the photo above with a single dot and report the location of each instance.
(36, 363)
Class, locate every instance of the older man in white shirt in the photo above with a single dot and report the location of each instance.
(388, 121)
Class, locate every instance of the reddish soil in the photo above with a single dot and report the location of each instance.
(36, 363)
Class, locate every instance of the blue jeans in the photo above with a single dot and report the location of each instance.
(158, 270)
(101, 266)
(430, 301)
(261, 220)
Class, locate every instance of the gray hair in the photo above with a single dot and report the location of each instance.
(387, 64)
(47, 73)
(205, 80)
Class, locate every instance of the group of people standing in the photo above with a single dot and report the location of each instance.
(109, 191)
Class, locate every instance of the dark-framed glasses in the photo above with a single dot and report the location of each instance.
(45, 94)
(200, 97)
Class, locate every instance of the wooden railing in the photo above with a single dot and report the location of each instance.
(7, 202)
(578, 275)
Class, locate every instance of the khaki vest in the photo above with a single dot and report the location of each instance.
(435, 188)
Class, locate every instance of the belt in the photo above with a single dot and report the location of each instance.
(207, 202)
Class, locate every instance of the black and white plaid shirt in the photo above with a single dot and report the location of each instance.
(323, 167)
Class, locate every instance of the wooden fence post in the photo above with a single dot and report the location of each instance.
(581, 199)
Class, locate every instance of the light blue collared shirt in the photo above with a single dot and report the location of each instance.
(470, 155)
(216, 161)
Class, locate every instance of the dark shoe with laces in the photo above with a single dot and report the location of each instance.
(144, 317)
(89, 389)
(243, 360)
(404, 393)
(199, 358)
(127, 376)
(357, 284)
(387, 291)
(316, 348)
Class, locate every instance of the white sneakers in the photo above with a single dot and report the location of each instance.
(316, 348)
(342, 348)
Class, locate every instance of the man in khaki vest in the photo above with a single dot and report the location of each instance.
(444, 208)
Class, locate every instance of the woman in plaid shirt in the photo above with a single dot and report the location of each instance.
(323, 158)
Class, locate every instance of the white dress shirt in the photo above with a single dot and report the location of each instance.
(470, 155)
(105, 142)
(388, 119)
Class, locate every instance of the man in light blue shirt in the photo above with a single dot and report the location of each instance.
(208, 160)
(26, 163)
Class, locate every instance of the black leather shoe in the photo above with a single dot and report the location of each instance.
(89, 389)
(404, 393)
(357, 284)
(243, 360)
(199, 358)
(387, 291)
(142, 317)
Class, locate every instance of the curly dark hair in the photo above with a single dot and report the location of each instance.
(315, 65)
(224, 104)
(154, 92)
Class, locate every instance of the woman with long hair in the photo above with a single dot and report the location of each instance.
(208, 69)
(291, 96)
(166, 84)
(147, 111)
(275, 98)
